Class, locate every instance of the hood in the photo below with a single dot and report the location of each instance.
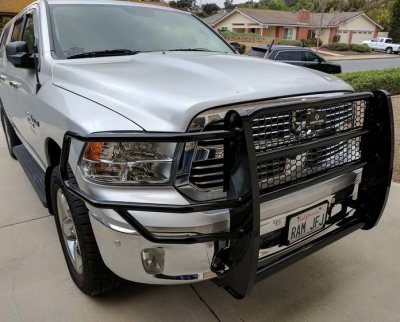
(164, 91)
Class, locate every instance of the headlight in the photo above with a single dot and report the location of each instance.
(127, 162)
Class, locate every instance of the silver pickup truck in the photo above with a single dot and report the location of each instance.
(383, 44)
(167, 158)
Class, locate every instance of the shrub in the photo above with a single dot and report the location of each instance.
(337, 46)
(289, 42)
(360, 48)
(238, 34)
(242, 49)
(312, 42)
(388, 79)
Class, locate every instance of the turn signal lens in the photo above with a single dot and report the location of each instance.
(127, 162)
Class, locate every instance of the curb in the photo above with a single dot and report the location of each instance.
(360, 57)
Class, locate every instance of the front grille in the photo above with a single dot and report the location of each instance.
(284, 129)
(208, 164)
(309, 163)
(332, 119)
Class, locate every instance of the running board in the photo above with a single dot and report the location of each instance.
(33, 171)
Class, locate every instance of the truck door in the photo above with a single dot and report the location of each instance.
(381, 44)
(22, 86)
(3, 77)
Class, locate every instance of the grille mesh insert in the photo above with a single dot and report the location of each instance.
(290, 128)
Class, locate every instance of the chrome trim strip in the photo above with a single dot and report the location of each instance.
(112, 226)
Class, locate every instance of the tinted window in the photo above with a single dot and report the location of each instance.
(257, 53)
(289, 55)
(29, 33)
(309, 56)
(85, 28)
(17, 31)
(388, 41)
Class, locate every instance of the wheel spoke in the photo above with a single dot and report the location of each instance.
(69, 231)
(77, 256)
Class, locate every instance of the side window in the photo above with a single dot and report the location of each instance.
(3, 43)
(256, 53)
(289, 55)
(28, 34)
(388, 41)
(17, 30)
(309, 56)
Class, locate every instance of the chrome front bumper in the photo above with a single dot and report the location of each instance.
(121, 246)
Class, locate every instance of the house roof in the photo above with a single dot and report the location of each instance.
(285, 18)
(13, 6)
(333, 19)
(271, 16)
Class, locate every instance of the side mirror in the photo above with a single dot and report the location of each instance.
(17, 53)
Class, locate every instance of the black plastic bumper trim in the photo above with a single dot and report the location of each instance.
(270, 266)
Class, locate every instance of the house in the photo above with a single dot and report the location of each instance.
(9, 8)
(347, 27)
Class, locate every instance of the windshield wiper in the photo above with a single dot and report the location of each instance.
(105, 53)
(196, 49)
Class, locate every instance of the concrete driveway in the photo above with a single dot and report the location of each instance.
(355, 279)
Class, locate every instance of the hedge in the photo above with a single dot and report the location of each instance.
(289, 42)
(337, 46)
(239, 34)
(360, 48)
(312, 42)
(388, 79)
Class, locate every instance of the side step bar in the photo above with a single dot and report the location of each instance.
(33, 171)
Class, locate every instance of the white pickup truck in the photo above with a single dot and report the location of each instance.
(383, 44)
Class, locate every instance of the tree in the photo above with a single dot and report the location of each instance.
(228, 5)
(2, 24)
(394, 21)
(187, 5)
(277, 5)
(209, 9)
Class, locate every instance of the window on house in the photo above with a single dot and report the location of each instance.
(224, 29)
(288, 33)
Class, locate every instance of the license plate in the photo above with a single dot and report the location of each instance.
(307, 222)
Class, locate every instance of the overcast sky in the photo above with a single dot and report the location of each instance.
(220, 3)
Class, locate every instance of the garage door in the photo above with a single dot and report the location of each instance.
(344, 36)
(360, 36)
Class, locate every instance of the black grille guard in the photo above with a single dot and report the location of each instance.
(241, 182)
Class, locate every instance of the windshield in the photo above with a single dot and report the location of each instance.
(88, 28)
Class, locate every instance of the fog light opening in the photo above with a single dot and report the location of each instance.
(153, 260)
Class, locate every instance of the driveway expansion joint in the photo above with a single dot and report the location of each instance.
(25, 221)
(206, 304)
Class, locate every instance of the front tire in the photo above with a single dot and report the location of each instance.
(78, 243)
(389, 50)
(10, 135)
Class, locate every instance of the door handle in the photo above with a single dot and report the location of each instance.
(3, 78)
(15, 84)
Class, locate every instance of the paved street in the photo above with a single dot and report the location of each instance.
(355, 279)
(358, 65)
